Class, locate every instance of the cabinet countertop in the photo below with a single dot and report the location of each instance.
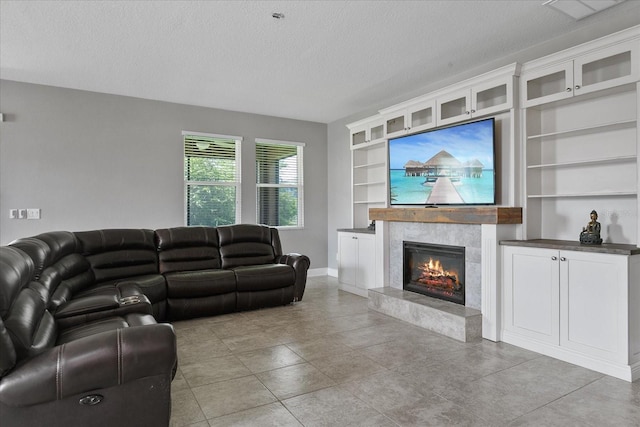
(569, 245)
(357, 230)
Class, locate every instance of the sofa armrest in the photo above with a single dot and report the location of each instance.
(93, 307)
(87, 365)
(300, 264)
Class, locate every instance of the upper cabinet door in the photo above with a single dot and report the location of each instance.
(547, 85)
(614, 66)
(454, 107)
(411, 119)
(492, 97)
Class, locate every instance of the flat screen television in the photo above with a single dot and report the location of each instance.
(445, 166)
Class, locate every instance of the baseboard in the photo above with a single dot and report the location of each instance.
(621, 371)
(316, 272)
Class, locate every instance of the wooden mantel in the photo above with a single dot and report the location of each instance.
(450, 215)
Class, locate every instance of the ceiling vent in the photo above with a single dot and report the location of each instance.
(578, 9)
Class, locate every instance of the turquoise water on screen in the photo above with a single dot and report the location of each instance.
(407, 190)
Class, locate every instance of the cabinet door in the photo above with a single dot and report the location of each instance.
(611, 67)
(421, 117)
(396, 124)
(531, 293)
(547, 85)
(593, 295)
(492, 97)
(454, 107)
(365, 276)
(347, 258)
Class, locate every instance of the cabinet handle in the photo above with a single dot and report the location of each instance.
(473, 111)
(577, 87)
(562, 258)
(467, 112)
(354, 237)
(554, 258)
(568, 89)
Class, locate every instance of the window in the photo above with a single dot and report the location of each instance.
(279, 183)
(211, 179)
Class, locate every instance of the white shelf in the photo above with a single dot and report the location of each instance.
(371, 202)
(584, 162)
(592, 194)
(621, 123)
(370, 165)
(369, 145)
(369, 183)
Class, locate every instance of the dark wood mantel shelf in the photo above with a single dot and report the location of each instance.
(450, 215)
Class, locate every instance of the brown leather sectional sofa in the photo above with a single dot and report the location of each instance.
(83, 332)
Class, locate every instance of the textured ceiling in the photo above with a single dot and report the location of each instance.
(324, 61)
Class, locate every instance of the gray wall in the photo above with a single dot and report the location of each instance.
(339, 174)
(92, 161)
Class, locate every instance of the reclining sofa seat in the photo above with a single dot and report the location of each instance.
(118, 256)
(219, 270)
(89, 374)
(251, 252)
(189, 259)
(62, 275)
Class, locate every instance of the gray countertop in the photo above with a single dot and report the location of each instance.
(358, 230)
(569, 245)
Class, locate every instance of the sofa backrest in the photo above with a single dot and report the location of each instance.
(187, 249)
(30, 326)
(248, 244)
(119, 253)
(60, 270)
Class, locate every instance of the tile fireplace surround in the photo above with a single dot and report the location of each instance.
(478, 229)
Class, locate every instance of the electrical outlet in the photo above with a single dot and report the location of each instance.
(22, 213)
(13, 213)
(33, 213)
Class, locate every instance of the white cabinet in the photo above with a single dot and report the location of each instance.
(368, 168)
(356, 262)
(601, 69)
(575, 305)
(369, 131)
(404, 119)
(532, 293)
(479, 100)
(580, 153)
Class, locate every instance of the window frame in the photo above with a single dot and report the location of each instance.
(238, 178)
(299, 186)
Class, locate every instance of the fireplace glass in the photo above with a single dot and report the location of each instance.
(434, 270)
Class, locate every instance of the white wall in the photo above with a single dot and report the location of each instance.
(92, 161)
(339, 174)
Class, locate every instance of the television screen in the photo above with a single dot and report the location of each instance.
(446, 166)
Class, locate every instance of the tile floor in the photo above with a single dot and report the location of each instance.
(329, 361)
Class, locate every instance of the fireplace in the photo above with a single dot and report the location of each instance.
(434, 270)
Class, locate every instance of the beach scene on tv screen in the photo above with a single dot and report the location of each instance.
(449, 166)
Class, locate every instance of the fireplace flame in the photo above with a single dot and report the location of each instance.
(435, 269)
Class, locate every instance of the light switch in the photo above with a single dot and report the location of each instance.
(22, 213)
(33, 213)
(13, 213)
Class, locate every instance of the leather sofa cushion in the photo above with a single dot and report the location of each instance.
(187, 249)
(104, 325)
(245, 245)
(193, 284)
(187, 308)
(38, 251)
(7, 350)
(270, 298)
(119, 253)
(151, 285)
(264, 277)
(16, 269)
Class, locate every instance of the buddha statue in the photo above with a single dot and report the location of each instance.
(590, 234)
